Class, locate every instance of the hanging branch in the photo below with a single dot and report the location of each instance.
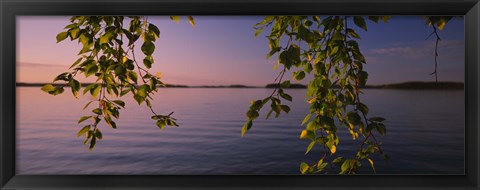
(436, 51)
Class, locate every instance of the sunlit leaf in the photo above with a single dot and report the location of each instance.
(246, 127)
(48, 88)
(307, 134)
(305, 120)
(97, 111)
(133, 76)
(310, 146)
(304, 167)
(84, 118)
(371, 164)
(83, 130)
(96, 90)
(61, 36)
(333, 149)
(175, 18)
(119, 102)
(191, 21)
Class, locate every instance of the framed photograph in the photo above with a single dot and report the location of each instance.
(239, 94)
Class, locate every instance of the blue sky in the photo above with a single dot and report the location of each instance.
(222, 50)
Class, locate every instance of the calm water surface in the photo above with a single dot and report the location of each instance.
(425, 134)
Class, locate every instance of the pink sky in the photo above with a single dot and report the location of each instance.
(223, 51)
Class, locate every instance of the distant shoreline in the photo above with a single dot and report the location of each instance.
(405, 85)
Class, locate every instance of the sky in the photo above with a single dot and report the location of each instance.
(222, 50)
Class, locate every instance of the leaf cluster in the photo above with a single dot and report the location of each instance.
(108, 55)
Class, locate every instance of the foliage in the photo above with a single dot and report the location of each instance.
(328, 49)
(325, 47)
(108, 55)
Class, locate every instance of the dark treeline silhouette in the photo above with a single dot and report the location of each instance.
(405, 85)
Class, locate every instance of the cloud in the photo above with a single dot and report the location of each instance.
(413, 51)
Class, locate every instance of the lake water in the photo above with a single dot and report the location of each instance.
(425, 134)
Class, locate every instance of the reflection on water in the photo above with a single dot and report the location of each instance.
(425, 134)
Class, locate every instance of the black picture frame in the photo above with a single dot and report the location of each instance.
(11, 8)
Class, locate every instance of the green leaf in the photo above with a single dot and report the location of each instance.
(83, 130)
(48, 88)
(75, 86)
(258, 31)
(360, 22)
(129, 65)
(285, 108)
(139, 99)
(175, 18)
(154, 29)
(285, 95)
(147, 62)
(119, 102)
(92, 143)
(305, 120)
(307, 134)
(110, 122)
(377, 119)
(304, 167)
(246, 127)
(310, 146)
(148, 48)
(86, 105)
(84, 118)
(381, 128)
(160, 124)
(94, 91)
(333, 149)
(374, 18)
(352, 33)
(91, 69)
(97, 111)
(346, 166)
(114, 112)
(133, 76)
(191, 21)
(74, 33)
(299, 75)
(61, 36)
(363, 108)
(58, 90)
(353, 118)
(124, 92)
(337, 161)
(88, 88)
(63, 76)
(256, 105)
(252, 114)
(285, 84)
(268, 114)
(98, 134)
(371, 164)
(143, 91)
(362, 78)
(105, 38)
(76, 63)
(308, 68)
